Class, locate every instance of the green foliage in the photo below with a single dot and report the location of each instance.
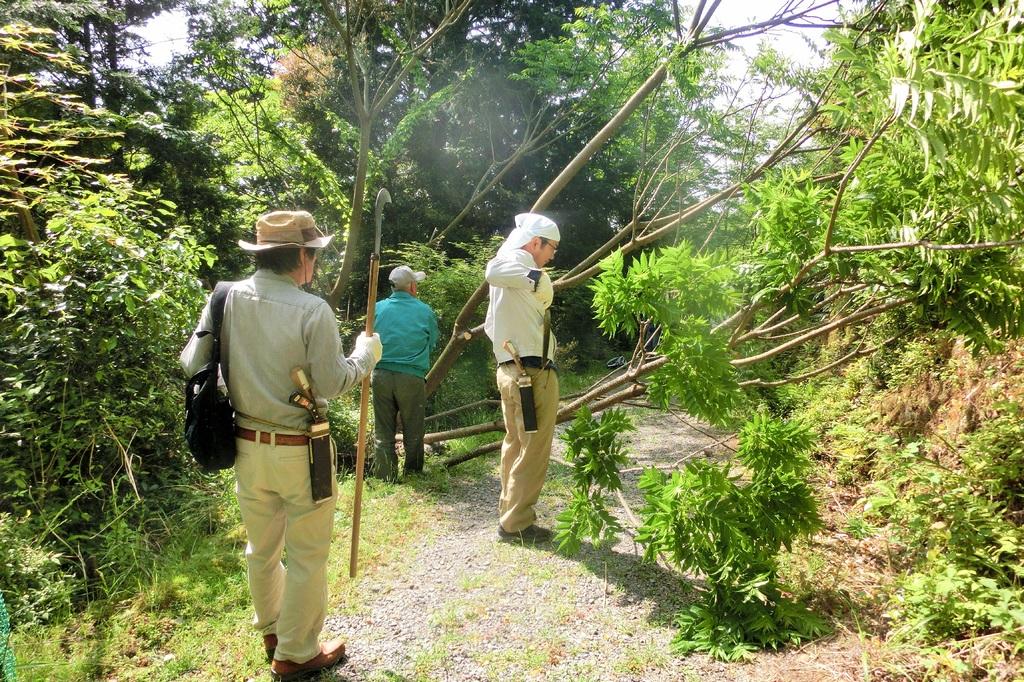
(922, 129)
(947, 601)
(269, 149)
(35, 586)
(94, 314)
(90, 389)
(43, 128)
(597, 453)
(343, 415)
(964, 549)
(705, 520)
(994, 457)
(681, 293)
(855, 449)
(600, 54)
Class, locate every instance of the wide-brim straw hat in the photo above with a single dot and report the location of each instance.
(292, 229)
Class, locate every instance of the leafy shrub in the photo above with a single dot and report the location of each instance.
(34, 583)
(95, 305)
(90, 390)
(704, 520)
(343, 415)
(995, 457)
(946, 600)
(597, 453)
(963, 549)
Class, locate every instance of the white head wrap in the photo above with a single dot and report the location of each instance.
(528, 226)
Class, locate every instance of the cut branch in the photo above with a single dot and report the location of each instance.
(821, 331)
(930, 245)
(849, 357)
(767, 327)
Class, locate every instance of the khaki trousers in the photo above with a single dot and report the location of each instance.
(524, 456)
(274, 496)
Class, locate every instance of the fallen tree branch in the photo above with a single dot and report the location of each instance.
(820, 331)
(462, 408)
(853, 355)
(929, 245)
(472, 454)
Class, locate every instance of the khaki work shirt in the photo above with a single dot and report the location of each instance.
(516, 309)
(270, 326)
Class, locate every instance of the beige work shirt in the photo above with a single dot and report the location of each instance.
(270, 326)
(516, 308)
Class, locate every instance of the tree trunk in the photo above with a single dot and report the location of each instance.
(599, 140)
(355, 223)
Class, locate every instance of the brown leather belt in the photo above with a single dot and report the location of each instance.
(281, 439)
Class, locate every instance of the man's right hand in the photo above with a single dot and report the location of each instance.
(370, 344)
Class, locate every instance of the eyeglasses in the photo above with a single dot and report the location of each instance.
(548, 242)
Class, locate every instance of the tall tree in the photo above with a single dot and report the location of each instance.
(849, 217)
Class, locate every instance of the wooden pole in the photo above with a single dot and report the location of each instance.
(364, 398)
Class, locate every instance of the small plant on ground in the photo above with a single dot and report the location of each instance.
(962, 546)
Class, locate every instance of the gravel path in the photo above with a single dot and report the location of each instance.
(472, 608)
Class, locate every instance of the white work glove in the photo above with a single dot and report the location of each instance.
(544, 292)
(370, 344)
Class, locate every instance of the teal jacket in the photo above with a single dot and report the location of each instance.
(408, 331)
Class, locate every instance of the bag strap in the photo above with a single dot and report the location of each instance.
(544, 362)
(217, 302)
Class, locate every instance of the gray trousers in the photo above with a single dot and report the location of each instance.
(397, 393)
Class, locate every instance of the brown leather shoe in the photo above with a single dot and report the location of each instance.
(331, 654)
(270, 644)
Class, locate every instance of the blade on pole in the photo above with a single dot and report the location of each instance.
(383, 197)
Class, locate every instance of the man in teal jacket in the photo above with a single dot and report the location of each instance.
(408, 331)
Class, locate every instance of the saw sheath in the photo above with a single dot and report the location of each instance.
(529, 407)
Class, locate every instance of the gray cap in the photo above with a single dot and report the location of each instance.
(403, 276)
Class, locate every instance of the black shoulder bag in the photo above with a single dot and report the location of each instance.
(209, 416)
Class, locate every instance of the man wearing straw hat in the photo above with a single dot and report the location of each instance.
(271, 326)
(520, 295)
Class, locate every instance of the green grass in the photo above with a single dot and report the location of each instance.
(191, 618)
(637, 660)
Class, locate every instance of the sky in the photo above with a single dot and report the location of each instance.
(167, 34)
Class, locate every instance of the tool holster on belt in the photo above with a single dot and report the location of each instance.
(321, 471)
(525, 384)
(321, 474)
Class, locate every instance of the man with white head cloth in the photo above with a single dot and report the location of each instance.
(520, 295)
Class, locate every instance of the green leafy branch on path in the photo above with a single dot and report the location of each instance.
(726, 528)
(597, 453)
(709, 521)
